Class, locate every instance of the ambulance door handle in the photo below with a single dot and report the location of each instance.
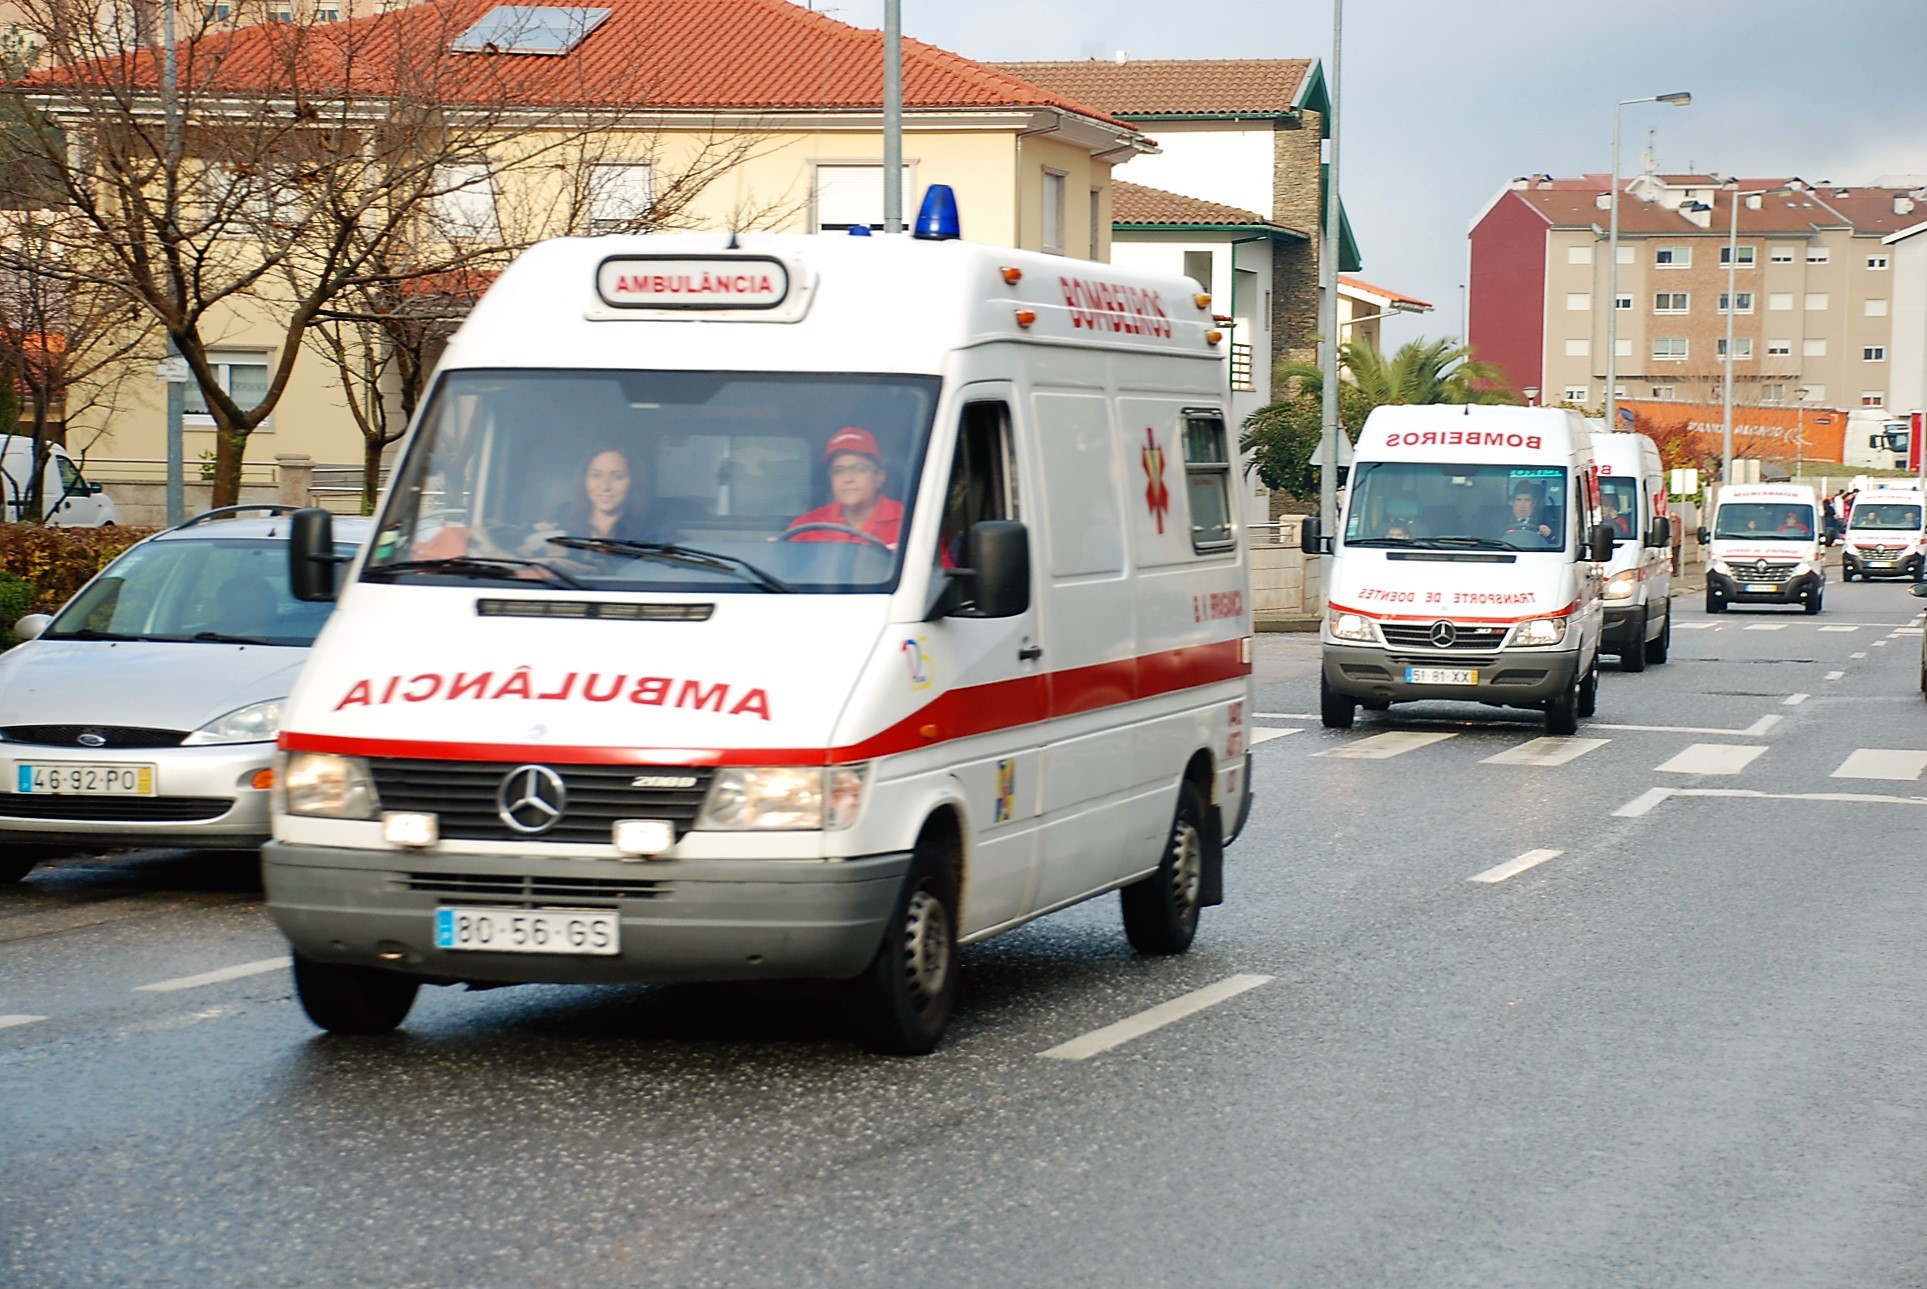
(1030, 653)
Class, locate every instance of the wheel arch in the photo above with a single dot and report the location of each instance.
(1201, 772)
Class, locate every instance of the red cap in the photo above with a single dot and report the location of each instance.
(851, 439)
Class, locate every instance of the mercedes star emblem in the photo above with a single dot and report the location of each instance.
(1444, 634)
(531, 799)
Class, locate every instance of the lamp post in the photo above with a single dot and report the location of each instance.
(1732, 307)
(1328, 299)
(1677, 99)
(892, 116)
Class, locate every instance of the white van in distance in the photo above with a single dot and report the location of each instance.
(1639, 577)
(775, 607)
(67, 498)
(1886, 536)
(1764, 547)
(1467, 565)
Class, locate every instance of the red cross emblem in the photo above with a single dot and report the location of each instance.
(1156, 495)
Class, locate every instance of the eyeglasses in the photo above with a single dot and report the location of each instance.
(851, 470)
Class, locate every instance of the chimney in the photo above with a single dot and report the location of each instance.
(1755, 200)
(1123, 57)
(1699, 212)
(1903, 205)
(1520, 184)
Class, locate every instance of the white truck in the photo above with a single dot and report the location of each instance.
(68, 499)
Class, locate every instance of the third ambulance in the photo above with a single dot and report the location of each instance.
(1764, 547)
(1467, 566)
(1886, 536)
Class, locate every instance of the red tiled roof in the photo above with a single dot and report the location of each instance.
(1136, 204)
(1384, 293)
(1175, 86)
(649, 55)
(1574, 203)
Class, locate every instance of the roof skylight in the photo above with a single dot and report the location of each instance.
(529, 29)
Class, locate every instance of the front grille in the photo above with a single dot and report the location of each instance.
(533, 891)
(1753, 572)
(114, 735)
(1881, 552)
(1445, 659)
(462, 795)
(131, 810)
(1415, 635)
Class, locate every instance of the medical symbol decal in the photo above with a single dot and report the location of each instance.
(921, 670)
(1156, 495)
(1006, 791)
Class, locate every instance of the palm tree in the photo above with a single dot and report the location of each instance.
(1436, 371)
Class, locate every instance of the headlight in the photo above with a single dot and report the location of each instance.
(1539, 631)
(1802, 567)
(794, 798)
(1350, 626)
(334, 787)
(255, 723)
(1622, 586)
(1719, 566)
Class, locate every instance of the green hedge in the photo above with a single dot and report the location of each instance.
(54, 563)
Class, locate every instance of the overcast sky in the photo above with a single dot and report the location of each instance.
(1442, 103)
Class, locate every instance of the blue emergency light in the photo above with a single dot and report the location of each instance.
(937, 220)
(859, 230)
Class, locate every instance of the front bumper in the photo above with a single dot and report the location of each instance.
(1907, 566)
(201, 798)
(1796, 590)
(1517, 678)
(744, 919)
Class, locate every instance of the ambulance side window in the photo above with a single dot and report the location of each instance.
(983, 483)
(1207, 480)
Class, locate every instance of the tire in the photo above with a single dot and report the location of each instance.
(1338, 711)
(1589, 689)
(1161, 911)
(1846, 574)
(1562, 713)
(1714, 604)
(901, 1004)
(1814, 601)
(17, 861)
(1657, 650)
(1633, 656)
(353, 1000)
(1923, 679)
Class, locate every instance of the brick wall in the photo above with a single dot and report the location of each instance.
(1296, 203)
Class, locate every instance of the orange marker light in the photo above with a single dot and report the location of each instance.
(1203, 300)
(1025, 317)
(1013, 275)
(1213, 337)
(263, 779)
(928, 731)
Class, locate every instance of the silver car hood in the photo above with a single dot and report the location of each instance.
(139, 683)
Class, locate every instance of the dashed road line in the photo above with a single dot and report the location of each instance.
(1712, 758)
(1794, 700)
(1696, 626)
(8, 1022)
(1880, 644)
(1099, 1041)
(1754, 730)
(1840, 628)
(1835, 675)
(216, 977)
(1646, 800)
(1547, 751)
(1513, 867)
(1861, 654)
(1882, 763)
(1382, 747)
(1261, 735)
(1767, 626)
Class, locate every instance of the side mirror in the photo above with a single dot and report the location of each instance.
(311, 556)
(92, 489)
(33, 625)
(1311, 540)
(1703, 535)
(998, 553)
(1661, 533)
(1601, 543)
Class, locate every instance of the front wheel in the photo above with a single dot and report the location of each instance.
(1161, 911)
(1813, 602)
(1846, 574)
(1338, 711)
(1562, 713)
(1589, 689)
(901, 1004)
(1657, 650)
(1633, 656)
(1714, 604)
(353, 1000)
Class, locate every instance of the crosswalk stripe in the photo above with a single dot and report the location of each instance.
(1909, 631)
(1712, 758)
(1840, 628)
(1882, 763)
(1261, 735)
(1835, 675)
(1695, 626)
(8, 1022)
(1767, 626)
(1382, 747)
(1547, 751)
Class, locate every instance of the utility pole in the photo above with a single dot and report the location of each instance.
(1328, 298)
(893, 116)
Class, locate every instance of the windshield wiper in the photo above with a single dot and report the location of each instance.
(1383, 541)
(88, 633)
(1465, 543)
(221, 637)
(676, 554)
(479, 566)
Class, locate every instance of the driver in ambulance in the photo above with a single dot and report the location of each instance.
(856, 495)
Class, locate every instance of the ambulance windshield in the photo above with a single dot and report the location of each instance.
(1885, 514)
(1764, 521)
(711, 482)
(1456, 507)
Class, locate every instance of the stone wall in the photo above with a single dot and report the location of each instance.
(1286, 583)
(1296, 200)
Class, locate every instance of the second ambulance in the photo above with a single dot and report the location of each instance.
(1764, 547)
(1468, 565)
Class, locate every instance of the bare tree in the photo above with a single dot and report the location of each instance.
(300, 176)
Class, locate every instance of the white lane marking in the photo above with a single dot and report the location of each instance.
(1840, 628)
(1754, 730)
(8, 1022)
(1695, 626)
(178, 1022)
(1835, 675)
(216, 977)
(1513, 867)
(1767, 626)
(1882, 763)
(1880, 644)
(1259, 735)
(1382, 747)
(1861, 654)
(1284, 716)
(1640, 804)
(1794, 700)
(1761, 726)
(1712, 758)
(1909, 631)
(1099, 1041)
(1547, 751)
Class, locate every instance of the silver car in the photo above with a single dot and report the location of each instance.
(144, 713)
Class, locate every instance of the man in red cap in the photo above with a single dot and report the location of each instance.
(856, 492)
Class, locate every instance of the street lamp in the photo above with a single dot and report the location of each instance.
(1732, 306)
(1532, 395)
(1678, 99)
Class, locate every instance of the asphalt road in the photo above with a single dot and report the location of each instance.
(1676, 1036)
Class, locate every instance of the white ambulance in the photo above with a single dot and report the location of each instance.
(1886, 535)
(775, 607)
(1639, 577)
(1764, 546)
(1467, 566)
